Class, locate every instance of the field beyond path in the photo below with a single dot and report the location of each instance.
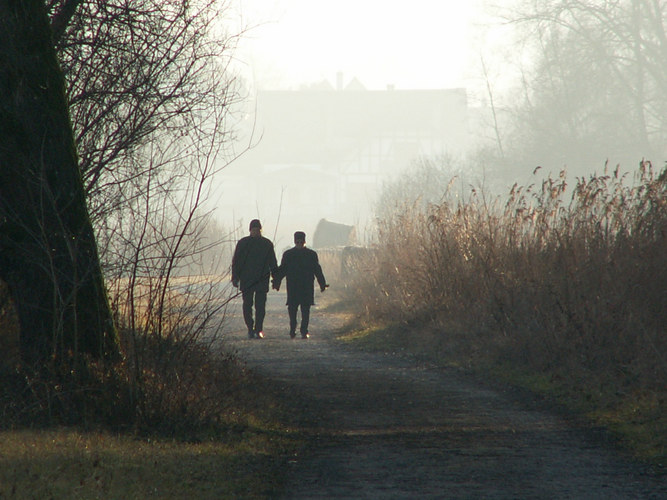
(382, 426)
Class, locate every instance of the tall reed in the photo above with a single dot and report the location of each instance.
(560, 278)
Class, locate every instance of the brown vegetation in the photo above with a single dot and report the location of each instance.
(573, 293)
(173, 377)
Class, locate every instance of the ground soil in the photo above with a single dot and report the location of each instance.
(384, 426)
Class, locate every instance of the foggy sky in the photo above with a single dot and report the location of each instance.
(424, 45)
(412, 45)
(292, 44)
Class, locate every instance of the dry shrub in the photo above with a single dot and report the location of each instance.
(578, 287)
(330, 260)
(178, 376)
(173, 378)
(198, 397)
(176, 387)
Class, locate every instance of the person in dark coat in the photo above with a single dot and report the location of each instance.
(301, 267)
(253, 263)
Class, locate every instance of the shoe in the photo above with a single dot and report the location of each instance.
(251, 334)
(305, 335)
(292, 335)
(260, 334)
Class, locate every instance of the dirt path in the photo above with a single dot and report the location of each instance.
(385, 427)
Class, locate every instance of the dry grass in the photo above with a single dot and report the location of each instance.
(64, 463)
(567, 283)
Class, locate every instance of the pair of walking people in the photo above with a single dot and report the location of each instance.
(254, 262)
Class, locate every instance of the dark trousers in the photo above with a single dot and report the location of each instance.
(259, 299)
(305, 317)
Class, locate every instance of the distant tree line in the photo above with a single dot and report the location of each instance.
(595, 86)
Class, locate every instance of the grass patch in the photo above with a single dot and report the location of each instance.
(637, 419)
(373, 338)
(412, 341)
(642, 421)
(66, 463)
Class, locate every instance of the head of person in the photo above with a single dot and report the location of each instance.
(299, 239)
(255, 227)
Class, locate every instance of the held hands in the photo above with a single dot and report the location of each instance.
(275, 284)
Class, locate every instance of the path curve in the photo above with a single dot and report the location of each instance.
(385, 427)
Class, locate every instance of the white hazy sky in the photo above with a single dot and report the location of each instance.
(411, 44)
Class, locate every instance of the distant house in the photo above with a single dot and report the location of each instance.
(325, 151)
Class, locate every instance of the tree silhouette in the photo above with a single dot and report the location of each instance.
(48, 253)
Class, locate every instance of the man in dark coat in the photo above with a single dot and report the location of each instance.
(254, 261)
(300, 266)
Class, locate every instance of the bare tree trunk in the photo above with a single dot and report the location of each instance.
(48, 253)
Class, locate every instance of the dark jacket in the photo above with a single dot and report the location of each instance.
(300, 266)
(253, 263)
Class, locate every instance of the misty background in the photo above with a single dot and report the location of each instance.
(455, 139)
(351, 104)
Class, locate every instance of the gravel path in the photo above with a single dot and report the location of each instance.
(385, 427)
